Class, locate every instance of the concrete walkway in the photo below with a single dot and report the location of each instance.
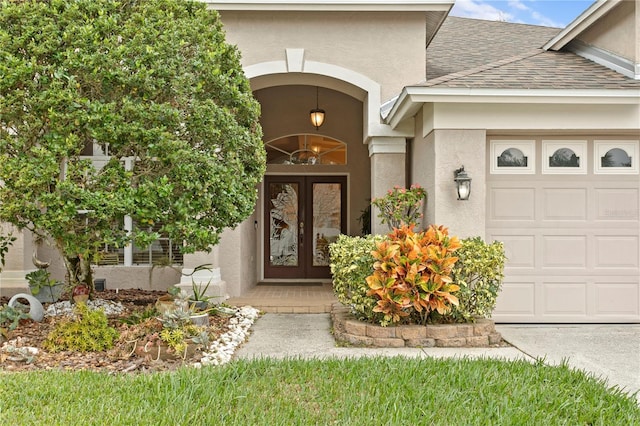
(608, 351)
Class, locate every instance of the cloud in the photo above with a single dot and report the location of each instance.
(480, 10)
(517, 4)
(540, 19)
(510, 11)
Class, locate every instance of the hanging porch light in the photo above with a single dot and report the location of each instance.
(316, 115)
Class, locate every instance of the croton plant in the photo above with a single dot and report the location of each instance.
(412, 274)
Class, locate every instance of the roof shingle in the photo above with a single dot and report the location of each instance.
(519, 63)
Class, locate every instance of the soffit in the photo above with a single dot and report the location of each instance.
(333, 5)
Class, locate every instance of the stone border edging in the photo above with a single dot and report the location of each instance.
(347, 329)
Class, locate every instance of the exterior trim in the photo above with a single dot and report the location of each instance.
(412, 97)
(581, 23)
(387, 146)
(333, 5)
(607, 59)
(359, 86)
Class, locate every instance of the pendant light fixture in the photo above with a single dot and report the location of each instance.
(317, 114)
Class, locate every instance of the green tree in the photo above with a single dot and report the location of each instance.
(157, 87)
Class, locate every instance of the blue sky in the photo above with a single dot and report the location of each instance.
(549, 13)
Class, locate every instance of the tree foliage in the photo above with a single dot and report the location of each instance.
(156, 86)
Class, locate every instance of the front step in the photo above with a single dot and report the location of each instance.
(12, 283)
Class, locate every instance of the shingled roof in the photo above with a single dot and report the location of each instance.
(488, 54)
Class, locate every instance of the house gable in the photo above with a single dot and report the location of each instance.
(607, 33)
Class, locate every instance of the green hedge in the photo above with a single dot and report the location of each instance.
(479, 272)
(351, 263)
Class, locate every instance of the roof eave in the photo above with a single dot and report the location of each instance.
(332, 5)
(412, 98)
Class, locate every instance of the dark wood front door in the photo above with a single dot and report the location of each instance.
(303, 215)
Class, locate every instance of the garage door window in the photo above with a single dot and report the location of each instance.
(564, 157)
(616, 157)
(513, 157)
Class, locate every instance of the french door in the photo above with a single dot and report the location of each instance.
(303, 215)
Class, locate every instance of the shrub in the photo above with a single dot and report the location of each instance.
(401, 206)
(10, 318)
(86, 331)
(479, 272)
(412, 274)
(351, 264)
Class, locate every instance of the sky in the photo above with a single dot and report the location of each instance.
(548, 13)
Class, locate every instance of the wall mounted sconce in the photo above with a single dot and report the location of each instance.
(463, 184)
(317, 114)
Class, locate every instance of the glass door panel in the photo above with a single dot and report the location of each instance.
(283, 224)
(327, 208)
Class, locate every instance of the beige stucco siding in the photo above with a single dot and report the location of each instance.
(387, 47)
(434, 158)
(616, 32)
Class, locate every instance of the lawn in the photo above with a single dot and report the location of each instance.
(373, 391)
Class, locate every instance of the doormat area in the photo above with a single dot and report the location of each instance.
(290, 283)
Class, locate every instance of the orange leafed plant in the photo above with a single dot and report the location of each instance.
(412, 274)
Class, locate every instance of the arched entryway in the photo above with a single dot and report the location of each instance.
(317, 182)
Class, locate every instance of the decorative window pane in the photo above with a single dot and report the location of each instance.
(512, 157)
(306, 150)
(283, 229)
(616, 157)
(327, 216)
(564, 157)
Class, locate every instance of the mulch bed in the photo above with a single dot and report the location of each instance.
(117, 360)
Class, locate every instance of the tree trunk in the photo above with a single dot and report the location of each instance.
(79, 271)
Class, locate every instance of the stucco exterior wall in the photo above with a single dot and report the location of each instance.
(143, 277)
(422, 166)
(352, 40)
(237, 257)
(20, 251)
(387, 170)
(616, 32)
(453, 149)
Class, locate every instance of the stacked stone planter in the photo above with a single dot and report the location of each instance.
(349, 330)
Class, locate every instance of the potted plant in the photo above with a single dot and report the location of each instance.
(167, 302)
(45, 289)
(199, 298)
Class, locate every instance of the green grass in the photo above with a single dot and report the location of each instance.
(368, 391)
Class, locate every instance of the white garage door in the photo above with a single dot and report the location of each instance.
(568, 214)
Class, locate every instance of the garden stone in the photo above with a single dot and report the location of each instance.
(36, 311)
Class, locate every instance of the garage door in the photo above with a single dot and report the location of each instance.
(568, 214)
